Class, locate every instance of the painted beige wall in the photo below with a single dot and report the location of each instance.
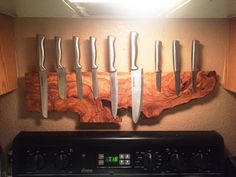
(215, 112)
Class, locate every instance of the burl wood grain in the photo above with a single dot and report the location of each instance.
(91, 110)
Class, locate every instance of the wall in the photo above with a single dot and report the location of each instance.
(214, 112)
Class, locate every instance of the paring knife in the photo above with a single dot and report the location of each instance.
(176, 65)
(60, 69)
(42, 75)
(113, 76)
(158, 64)
(78, 67)
(194, 62)
(136, 79)
(94, 66)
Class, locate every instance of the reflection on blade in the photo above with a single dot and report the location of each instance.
(95, 83)
(137, 93)
(61, 82)
(114, 93)
(158, 81)
(79, 82)
(177, 83)
(44, 92)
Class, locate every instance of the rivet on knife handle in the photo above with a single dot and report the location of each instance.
(42, 75)
(78, 67)
(113, 76)
(194, 59)
(176, 65)
(158, 64)
(94, 66)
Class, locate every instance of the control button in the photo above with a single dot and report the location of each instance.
(38, 162)
(127, 162)
(127, 156)
(121, 162)
(121, 156)
(100, 156)
(62, 161)
(100, 162)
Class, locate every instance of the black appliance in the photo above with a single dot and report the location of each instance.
(116, 153)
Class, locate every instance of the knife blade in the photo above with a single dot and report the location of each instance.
(113, 76)
(60, 69)
(136, 79)
(78, 67)
(158, 64)
(194, 62)
(43, 76)
(176, 65)
(94, 66)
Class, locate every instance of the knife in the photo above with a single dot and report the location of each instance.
(176, 65)
(158, 64)
(43, 77)
(113, 75)
(60, 70)
(194, 62)
(136, 79)
(94, 66)
(78, 67)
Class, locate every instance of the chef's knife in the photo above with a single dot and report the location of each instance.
(136, 79)
(60, 69)
(176, 65)
(94, 66)
(78, 67)
(158, 64)
(42, 75)
(113, 76)
(194, 62)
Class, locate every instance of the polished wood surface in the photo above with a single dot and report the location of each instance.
(91, 110)
(8, 80)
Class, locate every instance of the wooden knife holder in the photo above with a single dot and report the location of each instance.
(91, 110)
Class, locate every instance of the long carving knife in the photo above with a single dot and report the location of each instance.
(194, 62)
(78, 67)
(158, 64)
(176, 65)
(136, 79)
(60, 69)
(113, 76)
(43, 77)
(94, 66)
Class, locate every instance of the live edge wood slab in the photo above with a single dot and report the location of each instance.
(91, 110)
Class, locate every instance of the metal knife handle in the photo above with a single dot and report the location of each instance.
(58, 51)
(76, 51)
(41, 54)
(194, 55)
(111, 50)
(93, 52)
(176, 64)
(134, 50)
(158, 55)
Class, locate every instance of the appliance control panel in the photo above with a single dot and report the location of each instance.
(124, 154)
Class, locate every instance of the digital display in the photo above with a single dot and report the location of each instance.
(112, 159)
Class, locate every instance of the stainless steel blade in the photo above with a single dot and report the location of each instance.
(79, 82)
(177, 82)
(158, 81)
(95, 83)
(114, 93)
(137, 93)
(61, 82)
(194, 79)
(43, 77)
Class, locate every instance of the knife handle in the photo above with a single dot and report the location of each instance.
(76, 51)
(134, 50)
(40, 45)
(111, 50)
(58, 51)
(93, 52)
(158, 45)
(194, 55)
(176, 64)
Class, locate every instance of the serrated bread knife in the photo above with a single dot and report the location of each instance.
(136, 79)
(61, 73)
(78, 67)
(43, 76)
(113, 76)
